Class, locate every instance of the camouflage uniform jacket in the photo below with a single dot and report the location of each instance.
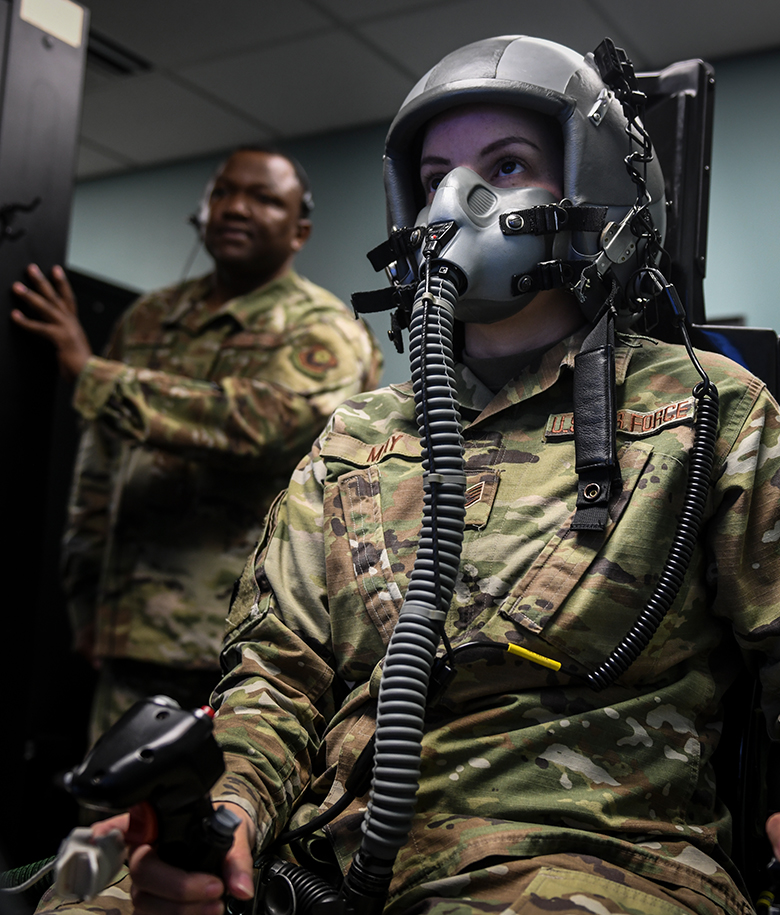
(196, 421)
(517, 760)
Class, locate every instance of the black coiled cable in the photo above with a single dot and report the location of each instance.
(683, 544)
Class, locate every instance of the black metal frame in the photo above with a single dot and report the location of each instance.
(679, 118)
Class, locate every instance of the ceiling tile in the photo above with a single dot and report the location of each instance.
(307, 86)
(360, 10)
(150, 119)
(248, 70)
(668, 30)
(178, 32)
(420, 39)
(90, 162)
(95, 80)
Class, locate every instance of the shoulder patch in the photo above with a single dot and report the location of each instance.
(630, 422)
(315, 360)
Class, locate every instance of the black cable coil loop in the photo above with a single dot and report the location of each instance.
(412, 649)
(683, 544)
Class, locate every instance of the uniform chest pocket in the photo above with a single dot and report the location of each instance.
(372, 525)
(585, 590)
(247, 353)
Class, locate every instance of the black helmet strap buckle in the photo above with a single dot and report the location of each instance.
(552, 218)
(400, 296)
(554, 274)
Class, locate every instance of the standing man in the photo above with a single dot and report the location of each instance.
(208, 394)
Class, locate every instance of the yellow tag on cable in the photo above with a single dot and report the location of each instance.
(533, 656)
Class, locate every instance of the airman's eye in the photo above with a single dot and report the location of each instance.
(510, 167)
(431, 182)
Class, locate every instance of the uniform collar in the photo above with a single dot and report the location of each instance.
(190, 312)
(477, 399)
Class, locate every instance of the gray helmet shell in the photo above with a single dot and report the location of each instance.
(542, 76)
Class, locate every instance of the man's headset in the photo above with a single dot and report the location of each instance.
(200, 216)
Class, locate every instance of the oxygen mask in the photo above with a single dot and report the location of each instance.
(484, 238)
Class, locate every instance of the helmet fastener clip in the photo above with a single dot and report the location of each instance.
(599, 109)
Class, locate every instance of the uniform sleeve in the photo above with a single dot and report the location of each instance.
(276, 414)
(745, 542)
(276, 697)
(88, 526)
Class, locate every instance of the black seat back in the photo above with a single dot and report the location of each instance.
(679, 118)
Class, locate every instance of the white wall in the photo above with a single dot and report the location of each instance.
(132, 229)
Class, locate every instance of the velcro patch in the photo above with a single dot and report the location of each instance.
(399, 444)
(480, 496)
(316, 360)
(474, 493)
(630, 422)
